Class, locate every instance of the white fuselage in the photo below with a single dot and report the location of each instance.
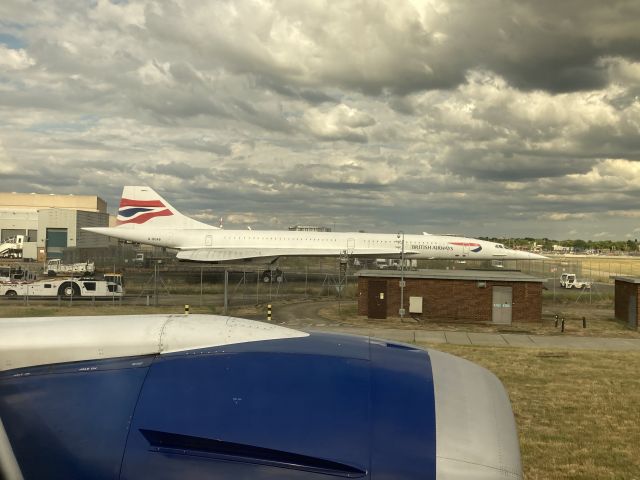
(303, 243)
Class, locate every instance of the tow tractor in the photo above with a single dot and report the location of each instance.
(63, 287)
(569, 280)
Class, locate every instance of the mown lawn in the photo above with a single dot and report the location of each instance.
(578, 413)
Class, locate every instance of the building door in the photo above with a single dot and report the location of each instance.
(56, 242)
(633, 311)
(377, 305)
(502, 304)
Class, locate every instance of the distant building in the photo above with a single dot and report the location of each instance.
(308, 228)
(562, 249)
(50, 223)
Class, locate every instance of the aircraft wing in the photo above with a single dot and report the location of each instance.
(232, 254)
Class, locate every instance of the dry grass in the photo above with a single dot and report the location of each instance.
(600, 322)
(80, 309)
(596, 268)
(578, 413)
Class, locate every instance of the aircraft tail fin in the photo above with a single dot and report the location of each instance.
(143, 206)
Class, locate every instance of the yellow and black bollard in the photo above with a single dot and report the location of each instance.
(269, 313)
(186, 309)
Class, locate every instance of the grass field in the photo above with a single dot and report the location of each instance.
(578, 413)
(599, 320)
(589, 267)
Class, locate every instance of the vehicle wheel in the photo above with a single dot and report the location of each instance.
(266, 276)
(51, 273)
(11, 293)
(68, 290)
(279, 276)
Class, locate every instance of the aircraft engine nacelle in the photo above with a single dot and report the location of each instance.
(261, 402)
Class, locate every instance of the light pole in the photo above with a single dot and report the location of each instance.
(401, 311)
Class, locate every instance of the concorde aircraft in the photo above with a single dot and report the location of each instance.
(145, 217)
(204, 396)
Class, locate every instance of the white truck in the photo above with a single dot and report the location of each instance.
(9, 273)
(55, 266)
(67, 288)
(569, 280)
(12, 247)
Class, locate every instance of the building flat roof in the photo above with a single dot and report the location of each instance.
(484, 275)
(37, 201)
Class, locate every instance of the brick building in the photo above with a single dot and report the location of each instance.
(627, 294)
(465, 296)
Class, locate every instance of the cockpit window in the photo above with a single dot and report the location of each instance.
(499, 245)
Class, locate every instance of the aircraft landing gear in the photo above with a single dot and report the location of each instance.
(275, 275)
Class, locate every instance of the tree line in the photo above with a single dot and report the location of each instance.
(577, 245)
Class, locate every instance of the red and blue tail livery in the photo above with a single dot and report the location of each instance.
(140, 211)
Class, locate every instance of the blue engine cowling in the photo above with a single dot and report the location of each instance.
(315, 407)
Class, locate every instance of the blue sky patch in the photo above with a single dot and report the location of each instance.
(12, 42)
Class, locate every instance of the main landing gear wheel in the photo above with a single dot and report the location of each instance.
(269, 276)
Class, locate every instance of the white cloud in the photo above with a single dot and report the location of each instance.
(338, 123)
(7, 165)
(15, 59)
(561, 217)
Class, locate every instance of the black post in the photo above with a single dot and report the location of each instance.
(584, 322)
(556, 321)
(562, 327)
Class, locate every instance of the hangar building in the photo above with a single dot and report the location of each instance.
(464, 296)
(627, 293)
(50, 223)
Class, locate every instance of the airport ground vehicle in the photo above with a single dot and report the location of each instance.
(10, 273)
(55, 267)
(12, 247)
(63, 287)
(569, 280)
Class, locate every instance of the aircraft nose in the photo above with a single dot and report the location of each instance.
(476, 435)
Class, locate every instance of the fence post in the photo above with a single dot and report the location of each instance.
(226, 283)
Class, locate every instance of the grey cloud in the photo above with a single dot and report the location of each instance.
(375, 115)
(534, 45)
(510, 166)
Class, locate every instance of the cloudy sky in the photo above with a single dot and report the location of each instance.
(516, 118)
